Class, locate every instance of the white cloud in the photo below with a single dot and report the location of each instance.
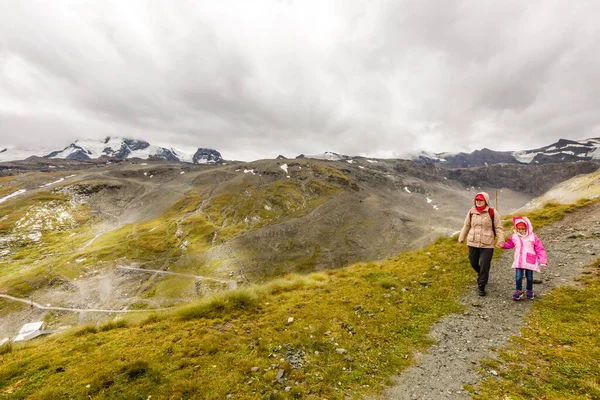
(263, 78)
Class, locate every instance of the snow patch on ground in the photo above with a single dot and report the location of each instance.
(595, 154)
(524, 157)
(39, 219)
(52, 183)
(18, 192)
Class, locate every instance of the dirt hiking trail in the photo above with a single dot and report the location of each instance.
(488, 322)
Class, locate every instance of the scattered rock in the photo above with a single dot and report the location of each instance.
(280, 374)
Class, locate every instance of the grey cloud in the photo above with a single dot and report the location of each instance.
(372, 79)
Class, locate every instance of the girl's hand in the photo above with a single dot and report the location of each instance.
(543, 265)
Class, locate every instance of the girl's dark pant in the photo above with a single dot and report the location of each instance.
(481, 260)
(519, 272)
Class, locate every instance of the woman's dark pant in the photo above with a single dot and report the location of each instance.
(519, 272)
(481, 260)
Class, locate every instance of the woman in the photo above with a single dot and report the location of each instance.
(482, 226)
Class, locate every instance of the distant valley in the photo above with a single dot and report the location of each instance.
(95, 233)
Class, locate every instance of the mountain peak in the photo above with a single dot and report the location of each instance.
(564, 150)
(114, 147)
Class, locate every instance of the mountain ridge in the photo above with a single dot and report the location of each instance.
(564, 150)
(112, 147)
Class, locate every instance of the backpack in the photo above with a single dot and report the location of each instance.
(491, 213)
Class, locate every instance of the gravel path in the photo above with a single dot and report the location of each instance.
(488, 322)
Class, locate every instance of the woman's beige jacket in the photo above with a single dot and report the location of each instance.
(477, 229)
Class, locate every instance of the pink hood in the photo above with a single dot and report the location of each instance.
(516, 220)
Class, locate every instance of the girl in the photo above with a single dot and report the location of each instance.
(529, 255)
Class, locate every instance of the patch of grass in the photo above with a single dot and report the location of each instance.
(299, 325)
(12, 211)
(250, 208)
(7, 190)
(85, 330)
(556, 356)
(229, 334)
(24, 283)
(221, 304)
(292, 282)
(151, 319)
(6, 348)
(174, 287)
(333, 175)
(120, 323)
(551, 212)
(386, 281)
(135, 369)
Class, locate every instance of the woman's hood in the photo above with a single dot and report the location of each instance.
(485, 196)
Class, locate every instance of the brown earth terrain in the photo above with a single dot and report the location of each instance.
(382, 207)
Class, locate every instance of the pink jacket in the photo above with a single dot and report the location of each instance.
(529, 250)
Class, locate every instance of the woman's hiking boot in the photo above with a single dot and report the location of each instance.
(519, 295)
(482, 291)
(530, 295)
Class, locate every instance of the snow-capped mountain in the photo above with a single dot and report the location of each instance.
(562, 151)
(328, 155)
(14, 153)
(114, 147)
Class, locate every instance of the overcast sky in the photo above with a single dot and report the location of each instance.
(255, 79)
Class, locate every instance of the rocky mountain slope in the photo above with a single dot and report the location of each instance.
(113, 148)
(81, 233)
(117, 148)
(562, 151)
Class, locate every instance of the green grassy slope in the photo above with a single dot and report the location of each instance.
(316, 336)
(39, 244)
